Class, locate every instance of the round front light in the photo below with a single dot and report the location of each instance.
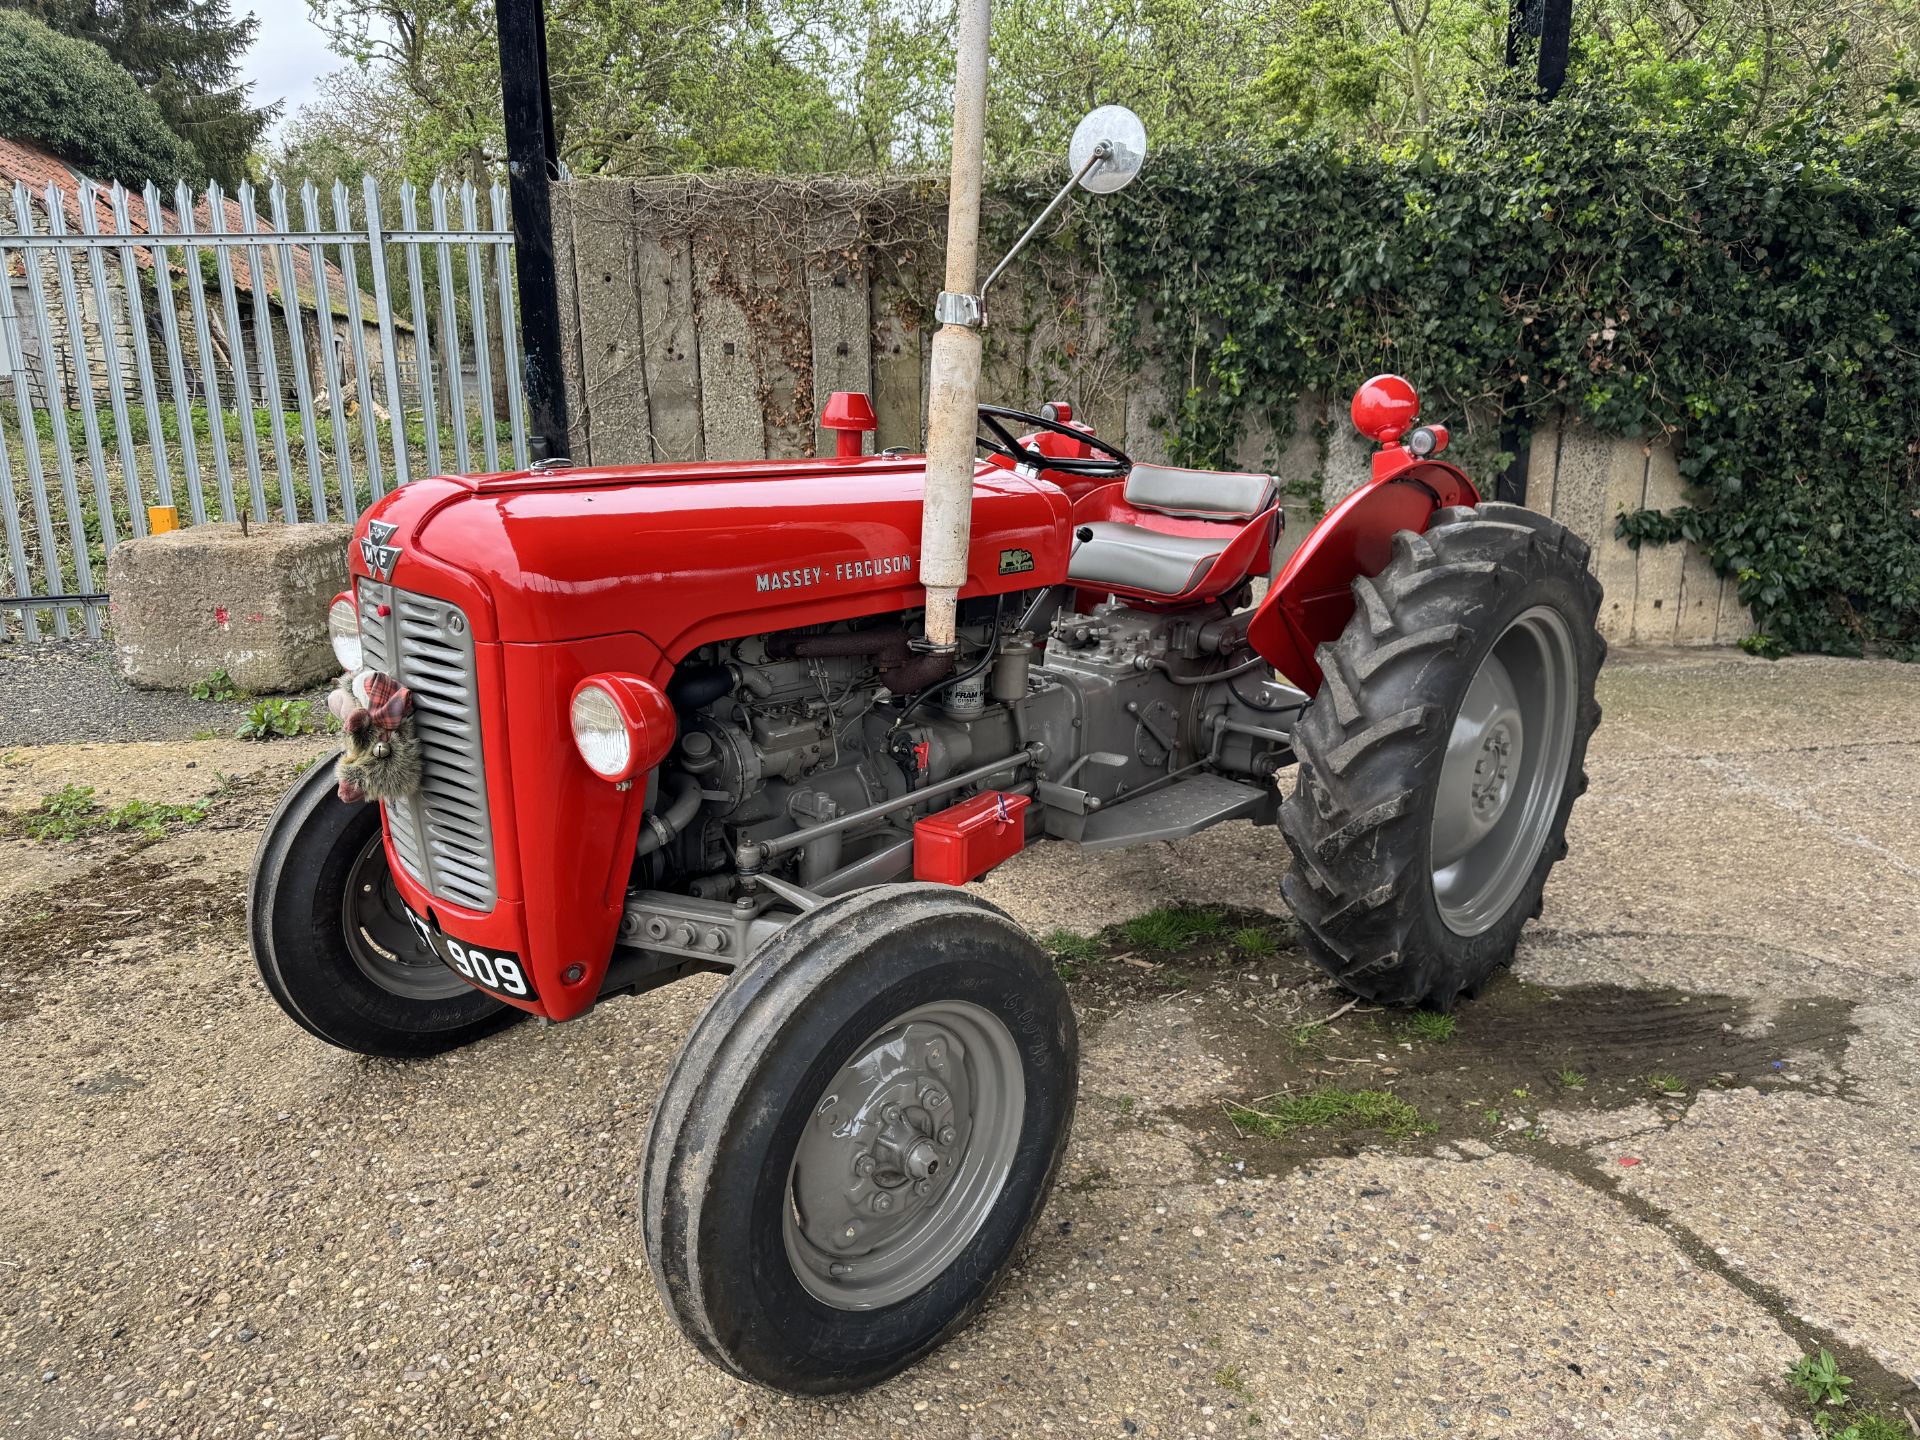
(600, 732)
(343, 629)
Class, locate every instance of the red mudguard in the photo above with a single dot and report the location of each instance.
(1311, 600)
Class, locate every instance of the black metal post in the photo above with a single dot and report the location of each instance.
(532, 166)
(1556, 28)
(1549, 25)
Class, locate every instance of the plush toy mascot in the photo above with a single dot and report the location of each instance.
(381, 758)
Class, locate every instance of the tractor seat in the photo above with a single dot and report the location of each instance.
(1173, 566)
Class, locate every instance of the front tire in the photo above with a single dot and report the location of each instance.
(332, 941)
(1440, 760)
(857, 1137)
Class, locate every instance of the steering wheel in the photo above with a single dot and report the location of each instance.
(1111, 463)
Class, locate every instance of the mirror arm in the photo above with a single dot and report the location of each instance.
(1101, 154)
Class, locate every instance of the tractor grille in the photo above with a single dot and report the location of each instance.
(443, 836)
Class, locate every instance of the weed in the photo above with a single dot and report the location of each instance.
(1571, 1080)
(1176, 979)
(1667, 1084)
(1427, 1025)
(1253, 940)
(67, 814)
(72, 812)
(205, 735)
(1522, 1093)
(1491, 1115)
(1309, 1036)
(1094, 1177)
(1227, 1377)
(217, 686)
(1330, 1107)
(1126, 1105)
(1171, 926)
(270, 719)
(1819, 1379)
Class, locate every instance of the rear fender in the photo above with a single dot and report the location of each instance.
(1311, 599)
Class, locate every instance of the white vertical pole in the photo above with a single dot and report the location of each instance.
(946, 520)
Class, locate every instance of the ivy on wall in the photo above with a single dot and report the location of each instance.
(1755, 298)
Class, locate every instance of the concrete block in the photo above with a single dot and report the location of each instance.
(613, 375)
(669, 345)
(731, 415)
(208, 598)
(1661, 579)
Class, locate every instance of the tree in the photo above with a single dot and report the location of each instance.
(70, 98)
(184, 54)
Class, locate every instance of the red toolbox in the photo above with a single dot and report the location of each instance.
(964, 841)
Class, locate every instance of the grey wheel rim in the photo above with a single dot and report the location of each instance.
(1505, 768)
(380, 938)
(904, 1156)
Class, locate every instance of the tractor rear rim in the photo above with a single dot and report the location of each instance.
(380, 937)
(1505, 766)
(904, 1155)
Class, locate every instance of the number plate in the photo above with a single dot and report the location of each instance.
(496, 971)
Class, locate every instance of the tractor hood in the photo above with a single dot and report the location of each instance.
(689, 554)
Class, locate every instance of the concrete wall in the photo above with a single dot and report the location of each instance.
(712, 320)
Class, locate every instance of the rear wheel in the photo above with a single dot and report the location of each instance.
(858, 1135)
(333, 942)
(1440, 760)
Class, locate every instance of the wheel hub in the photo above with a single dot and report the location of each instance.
(903, 1155)
(1503, 772)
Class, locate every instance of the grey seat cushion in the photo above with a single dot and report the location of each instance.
(1121, 554)
(1200, 494)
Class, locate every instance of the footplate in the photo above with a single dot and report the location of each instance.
(1174, 812)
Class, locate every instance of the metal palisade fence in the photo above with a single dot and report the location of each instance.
(292, 362)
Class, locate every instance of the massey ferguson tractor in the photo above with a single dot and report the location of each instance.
(608, 727)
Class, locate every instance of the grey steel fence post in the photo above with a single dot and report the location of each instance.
(176, 364)
(82, 372)
(142, 354)
(422, 348)
(477, 305)
(62, 442)
(13, 359)
(382, 298)
(329, 362)
(362, 381)
(509, 331)
(237, 350)
(450, 331)
(269, 356)
(297, 351)
(203, 344)
(110, 356)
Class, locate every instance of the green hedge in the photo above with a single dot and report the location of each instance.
(68, 97)
(1758, 299)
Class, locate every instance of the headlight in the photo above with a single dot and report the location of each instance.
(343, 629)
(601, 732)
(622, 725)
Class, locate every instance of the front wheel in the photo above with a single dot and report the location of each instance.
(859, 1133)
(333, 942)
(1440, 760)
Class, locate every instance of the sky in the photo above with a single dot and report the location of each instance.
(288, 56)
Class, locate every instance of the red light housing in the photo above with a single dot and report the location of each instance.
(644, 715)
(1385, 408)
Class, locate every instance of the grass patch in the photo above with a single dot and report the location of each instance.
(72, 812)
(1253, 940)
(1172, 926)
(1828, 1396)
(1330, 1108)
(1571, 1080)
(1428, 1025)
(1667, 1084)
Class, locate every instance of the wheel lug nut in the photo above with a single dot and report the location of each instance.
(946, 1135)
(890, 1113)
(863, 1165)
(934, 1096)
(883, 1202)
(922, 1187)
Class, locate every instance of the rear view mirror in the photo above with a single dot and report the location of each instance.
(1114, 137)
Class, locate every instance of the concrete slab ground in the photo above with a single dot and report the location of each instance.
(1673, 1151)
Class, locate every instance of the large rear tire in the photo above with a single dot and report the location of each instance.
(332, 940)
(857, 1137)
(1443, 753)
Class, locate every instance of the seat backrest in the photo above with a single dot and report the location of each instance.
(1200, 494)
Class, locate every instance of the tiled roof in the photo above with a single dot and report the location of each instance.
(36, 168)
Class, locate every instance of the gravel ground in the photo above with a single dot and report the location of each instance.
(62, 691)
(212, 1225)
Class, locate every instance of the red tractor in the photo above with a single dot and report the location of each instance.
(627, 724)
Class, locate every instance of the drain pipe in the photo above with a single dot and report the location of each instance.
(946, 520)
